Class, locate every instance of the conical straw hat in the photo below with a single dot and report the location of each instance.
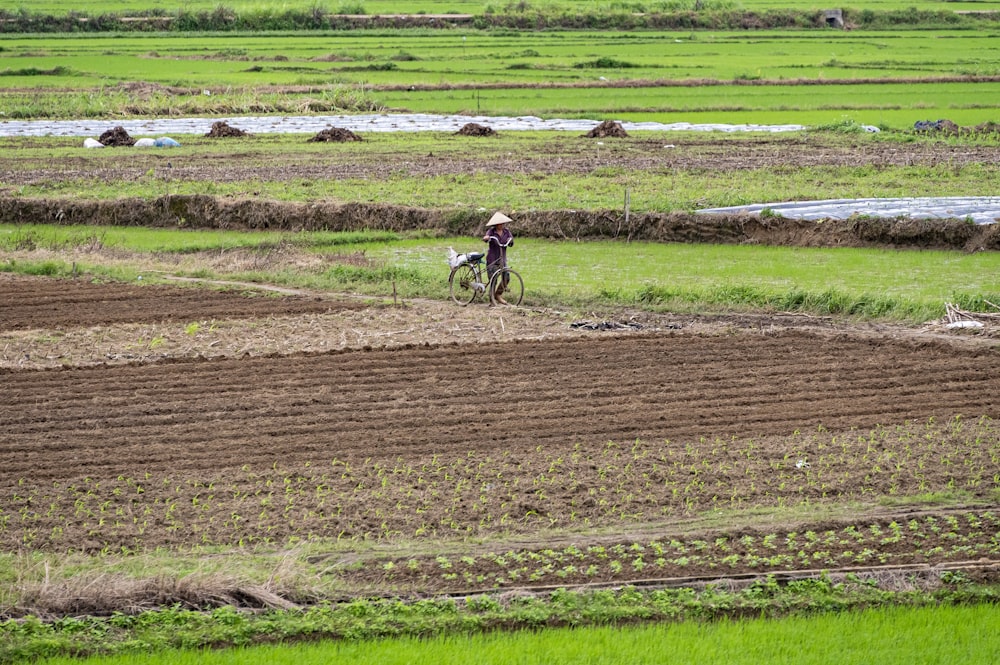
(498, 218)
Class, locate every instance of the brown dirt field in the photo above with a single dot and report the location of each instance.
(476, 430)
(427, 400)
(310, 421)
(33, 303)
(42, 328)
(557, 156)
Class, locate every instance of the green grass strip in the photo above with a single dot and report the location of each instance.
(688, 626)
(905, 285)
(146, 239)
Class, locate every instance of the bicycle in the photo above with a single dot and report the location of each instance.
(466, 281)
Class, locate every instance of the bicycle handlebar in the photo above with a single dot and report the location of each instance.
(497, 241)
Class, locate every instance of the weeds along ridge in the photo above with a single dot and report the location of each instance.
(210, 212)
(709, 15)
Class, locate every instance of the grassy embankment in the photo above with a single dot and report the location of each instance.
(890, 636)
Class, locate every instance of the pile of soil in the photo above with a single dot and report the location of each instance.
(946, 126)
(475, 129)
(608, 128)
(336, 134)
(222, 129)
(116, 137)
(988, 127)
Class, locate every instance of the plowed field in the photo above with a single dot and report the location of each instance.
(623, 442)
(51, 304)
(224, 420)
(221, 414)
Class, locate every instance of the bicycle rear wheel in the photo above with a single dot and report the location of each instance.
(462, 282)
(512, 291)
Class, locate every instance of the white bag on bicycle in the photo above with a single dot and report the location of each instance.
(454, 258)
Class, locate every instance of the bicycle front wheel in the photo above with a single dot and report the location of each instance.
(506, 288)
(462, 282)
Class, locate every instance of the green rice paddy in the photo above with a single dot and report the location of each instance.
(881, 78)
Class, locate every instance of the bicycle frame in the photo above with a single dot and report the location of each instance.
(466, 282)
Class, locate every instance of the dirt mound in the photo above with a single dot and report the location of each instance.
(949, 127)
(607, 129)
(222, 129)
(988, 127)
(475, 129)
(116, 137)
(335, 134)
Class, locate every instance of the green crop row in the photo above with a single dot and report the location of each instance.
(930, 538)
(475, 495)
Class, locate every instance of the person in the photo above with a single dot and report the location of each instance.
(499, 238)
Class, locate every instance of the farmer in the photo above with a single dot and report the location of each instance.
(499, 238)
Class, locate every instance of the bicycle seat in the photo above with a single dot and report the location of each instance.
(474, 257)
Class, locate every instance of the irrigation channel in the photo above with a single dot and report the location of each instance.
(982, 210)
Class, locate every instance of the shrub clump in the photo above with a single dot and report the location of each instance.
(605, 63)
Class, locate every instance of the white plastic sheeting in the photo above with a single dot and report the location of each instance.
(980, 209)
(379, 122)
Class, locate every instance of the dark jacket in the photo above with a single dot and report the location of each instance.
(498, 242)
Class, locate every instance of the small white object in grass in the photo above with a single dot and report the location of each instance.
(802, 464)
(670, 145)
(139, 277)
(966, 324)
